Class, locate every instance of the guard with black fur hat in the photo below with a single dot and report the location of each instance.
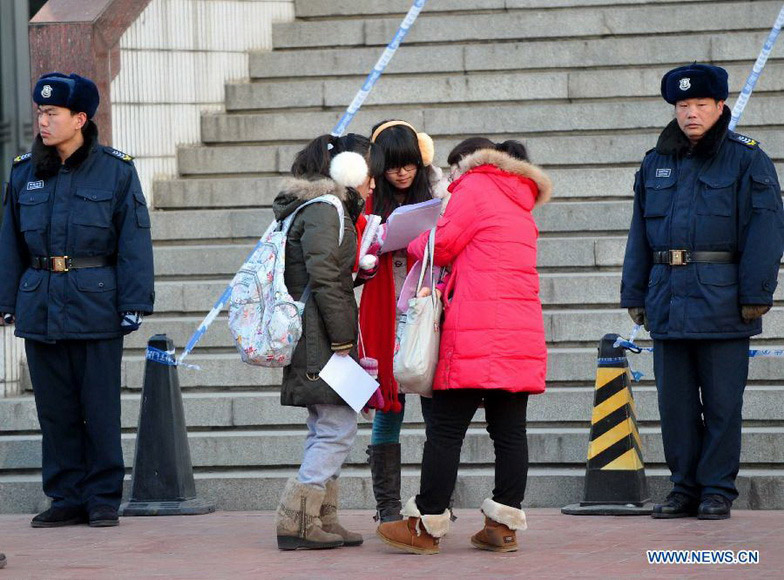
(77, 262)
(701, 265)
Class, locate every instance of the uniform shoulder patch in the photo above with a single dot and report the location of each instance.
(747, 141)
(118, 154)
(20, 158)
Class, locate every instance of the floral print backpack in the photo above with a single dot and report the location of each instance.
(264, 320)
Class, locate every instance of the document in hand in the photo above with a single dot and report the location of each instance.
(408, 221)
(349, 380)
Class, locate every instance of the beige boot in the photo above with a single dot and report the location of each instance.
(297, 518)
(501, 524)
(415, 533)
(329, 516)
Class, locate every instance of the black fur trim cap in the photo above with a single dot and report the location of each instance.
(695, 81)
(70, 91)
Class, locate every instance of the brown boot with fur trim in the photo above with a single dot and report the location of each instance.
(501, 524)
(329, 517)
(297, 519)
(415, 533)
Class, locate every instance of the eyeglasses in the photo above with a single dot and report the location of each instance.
(405, 169)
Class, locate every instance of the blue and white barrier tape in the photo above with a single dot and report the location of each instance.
(379, 68)
(166, 357)
(632, 347)
(745, 93)
(339, 129)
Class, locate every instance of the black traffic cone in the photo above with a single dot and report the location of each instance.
(162, 472)
(615, 481)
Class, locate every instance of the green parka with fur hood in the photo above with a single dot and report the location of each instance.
(313, 256)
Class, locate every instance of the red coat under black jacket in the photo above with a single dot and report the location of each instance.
(493, 333)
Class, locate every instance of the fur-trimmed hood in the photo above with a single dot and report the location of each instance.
(296, 191)
(509, 164)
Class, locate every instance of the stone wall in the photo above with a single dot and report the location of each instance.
(174, 62)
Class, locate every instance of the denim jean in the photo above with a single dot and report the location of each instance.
(331, 433)
(386, 426)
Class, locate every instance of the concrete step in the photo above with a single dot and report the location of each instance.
(594, 151)
(561, 326)
(546, 487)
(513, 118)
(210, 225)
(567, 23)
(445, 88)
(566, 365)
(562, 446)
(567, 406)
(641, 50)
(330, 9)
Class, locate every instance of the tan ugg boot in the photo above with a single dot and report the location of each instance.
(297, 518)
(329, 516)
(415, 533)
(501, 524)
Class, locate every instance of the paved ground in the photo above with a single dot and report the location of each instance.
(238, 545)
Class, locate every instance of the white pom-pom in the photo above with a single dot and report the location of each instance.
(349, 169)
(368, 262)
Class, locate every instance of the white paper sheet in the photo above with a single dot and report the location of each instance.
(349, 380)
(408, 221)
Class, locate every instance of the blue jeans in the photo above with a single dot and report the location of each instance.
(386, 426)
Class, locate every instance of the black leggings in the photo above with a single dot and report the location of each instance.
(452, 411)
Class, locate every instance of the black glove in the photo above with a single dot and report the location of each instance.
(638, 315)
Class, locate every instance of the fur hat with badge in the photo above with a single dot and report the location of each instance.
(70, 91)
(695, 81)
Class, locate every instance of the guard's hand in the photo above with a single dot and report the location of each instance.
(131, 321)
(7, 319)
(751, 312)
(637, 314)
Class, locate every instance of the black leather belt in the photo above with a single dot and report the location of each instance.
(65, 263)
(683, 257)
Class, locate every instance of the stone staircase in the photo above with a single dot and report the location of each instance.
(577, 80)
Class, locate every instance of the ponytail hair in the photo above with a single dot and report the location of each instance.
(315, 159)
(471, 145)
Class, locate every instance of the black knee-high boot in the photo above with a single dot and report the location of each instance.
(385, 471)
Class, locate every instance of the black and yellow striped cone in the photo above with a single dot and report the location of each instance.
(615, 481)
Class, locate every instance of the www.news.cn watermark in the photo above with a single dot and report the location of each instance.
(703, 557)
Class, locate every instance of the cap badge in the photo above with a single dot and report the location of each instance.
(46, 92)
(685, 84)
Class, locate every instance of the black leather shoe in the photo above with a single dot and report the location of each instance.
(2, 561)
(677, 505)
(103, 516)
(714, 507)
(57, 517)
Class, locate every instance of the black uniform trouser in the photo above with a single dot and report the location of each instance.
(700, 385)
(77, 394)
(450, 415)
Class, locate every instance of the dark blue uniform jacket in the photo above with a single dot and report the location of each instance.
(722, 196)
(92, 205)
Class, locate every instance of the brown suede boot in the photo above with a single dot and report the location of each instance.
(297, 519)
(329, 517)
(501, 524)
(415, 533)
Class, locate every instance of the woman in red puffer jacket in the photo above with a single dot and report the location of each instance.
(492, 345)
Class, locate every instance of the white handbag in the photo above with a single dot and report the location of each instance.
(419, 334)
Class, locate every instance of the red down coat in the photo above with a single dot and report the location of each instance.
(493, 333)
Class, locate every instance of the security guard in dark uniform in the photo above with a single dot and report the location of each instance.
(701, 265)
(77, 274)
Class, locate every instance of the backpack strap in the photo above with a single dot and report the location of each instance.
(327, 198)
